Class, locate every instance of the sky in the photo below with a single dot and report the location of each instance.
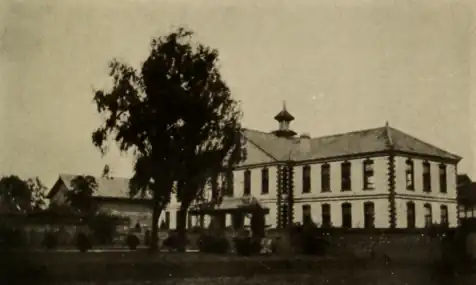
(340, 66)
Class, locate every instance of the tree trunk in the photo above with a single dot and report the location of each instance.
(154, 239)
(181, 227)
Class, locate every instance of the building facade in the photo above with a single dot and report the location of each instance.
(374, 178)
(381, 177)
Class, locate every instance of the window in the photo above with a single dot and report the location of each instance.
(461, 211)
(326, 178)
(264, 181)
(345, 176)
(444, 214)
(368, 174)
(326, 215)
(306, 214)
(247, 183)
(369, 212)
(230, 184)
(410, 175)
(426, 176)
(410, 215)
(189, 221)
(306, 179)
(167, 220)
(443, 182)
(346, 215)
(428, 215)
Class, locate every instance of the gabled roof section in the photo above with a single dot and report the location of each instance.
(108, 187)
(408, 143)
(363, 141)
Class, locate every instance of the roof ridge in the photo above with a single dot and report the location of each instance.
(348, 133)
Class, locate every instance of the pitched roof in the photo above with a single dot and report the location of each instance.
(363, 141)
(107, 187)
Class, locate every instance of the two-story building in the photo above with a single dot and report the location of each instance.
(380, 177)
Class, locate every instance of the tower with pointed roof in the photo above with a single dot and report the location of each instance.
(284, 119)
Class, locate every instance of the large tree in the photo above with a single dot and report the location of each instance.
(177, 116)
(21, 196)
(80, 198)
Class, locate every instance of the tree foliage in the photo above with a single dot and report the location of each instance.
(81, 194)
(21, 196)
(176, 115)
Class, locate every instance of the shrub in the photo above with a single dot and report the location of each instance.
(132, 241)
(247, 246)
(309, 239)
(213, 244)
(173, 241)
(50, 241)
(83, 243)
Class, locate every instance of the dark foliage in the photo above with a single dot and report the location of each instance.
(103, 227)
(213, 244)
(247, 246)
(11, 238)
(50, 241)
(83, 242)
(172, 242)
(308, 239)
(177, 116)
(15, 195)
(132, 241)
(80, 197)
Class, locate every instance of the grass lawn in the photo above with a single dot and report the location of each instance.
(141, 267)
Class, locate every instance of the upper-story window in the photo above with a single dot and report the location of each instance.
(369, 174)
(325, 177)
(410, 175)
(443, 180)
(306, 179)
(426, 176)
(346, 176)
(264, 181)
(247, 183)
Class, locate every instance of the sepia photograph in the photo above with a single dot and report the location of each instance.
(182, 142)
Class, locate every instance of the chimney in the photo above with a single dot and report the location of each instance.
(305, 143)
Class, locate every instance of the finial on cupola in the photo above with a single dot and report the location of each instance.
(284, 118)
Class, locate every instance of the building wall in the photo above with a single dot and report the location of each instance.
(380, 204)
(136, 213)
(434, 197)
(420, 212)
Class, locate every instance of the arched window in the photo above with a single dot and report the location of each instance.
(428, 215)
(444, 215)
(247, 183)
(326, 215)
(410, 175)
(306, 214)
(264, 181)
(369, 212)
(306, 179)
(347, 215)
(410, 215)
(325, 177)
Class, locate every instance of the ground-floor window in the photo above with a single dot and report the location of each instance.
(410, 215)
(444, 215)
(428, 215)
(326, 215)
(346, 215)
(369, 215)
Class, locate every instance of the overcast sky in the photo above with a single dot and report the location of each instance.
(339, 65)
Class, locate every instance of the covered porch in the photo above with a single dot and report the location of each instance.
(233, 213)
